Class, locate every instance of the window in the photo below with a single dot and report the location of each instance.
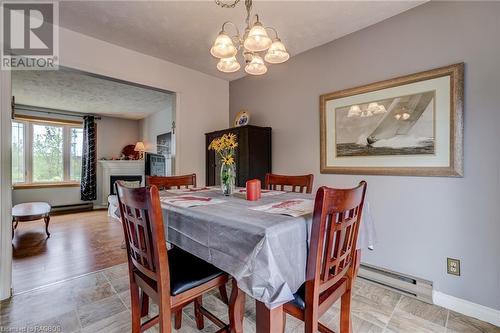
(75, 164)
(18, 169)
(46, 152)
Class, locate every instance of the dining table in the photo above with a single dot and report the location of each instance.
(264, 250)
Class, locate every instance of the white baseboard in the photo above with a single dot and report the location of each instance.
(467, 308)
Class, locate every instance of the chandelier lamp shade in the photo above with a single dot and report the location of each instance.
(228, 65)
(223, 47)
(257, 39)
(256, 46)
(256, 66)
(277, 53)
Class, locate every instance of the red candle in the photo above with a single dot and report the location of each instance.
(253, 189)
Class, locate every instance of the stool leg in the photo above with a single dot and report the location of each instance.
(47, 220)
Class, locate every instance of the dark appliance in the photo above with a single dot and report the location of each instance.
(156, 165)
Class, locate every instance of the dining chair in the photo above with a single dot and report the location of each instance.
(297, 183)
(330, 268)
(173, 278)
(165, 183)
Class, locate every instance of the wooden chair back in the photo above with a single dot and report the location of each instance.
(296, 183)
(336, 220)
(142, 222)
(165, 183)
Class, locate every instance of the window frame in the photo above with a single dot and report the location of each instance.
(66, 126)
(23, 153)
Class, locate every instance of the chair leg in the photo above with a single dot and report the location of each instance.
(178, 319)
(165, 318)
(311, 317)
(345, 312)
(357, 263)
(198, 315)
(165, 325)
(135, 307)
(144, 304)
(223, 294)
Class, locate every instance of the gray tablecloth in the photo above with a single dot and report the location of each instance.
(266, 253)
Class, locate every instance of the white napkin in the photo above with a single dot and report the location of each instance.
(263, 193)
(186, 201)
(190, 190)
(291, 207)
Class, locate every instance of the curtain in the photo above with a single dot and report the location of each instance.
(89, 160)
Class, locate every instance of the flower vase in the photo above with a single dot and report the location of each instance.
(227, 178)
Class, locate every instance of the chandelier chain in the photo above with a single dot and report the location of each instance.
(226, 4)
(248, 6)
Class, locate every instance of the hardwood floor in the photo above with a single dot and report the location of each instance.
(78, 244)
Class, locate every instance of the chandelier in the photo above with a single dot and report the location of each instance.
(253, 43)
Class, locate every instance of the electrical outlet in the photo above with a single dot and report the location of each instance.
(453, 266)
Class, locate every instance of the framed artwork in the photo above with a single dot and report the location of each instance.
(410, 125)
(163, 143)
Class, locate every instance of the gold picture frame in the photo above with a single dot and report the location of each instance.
(434, 100)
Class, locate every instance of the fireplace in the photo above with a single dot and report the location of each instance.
(114, 178)
(110, 171)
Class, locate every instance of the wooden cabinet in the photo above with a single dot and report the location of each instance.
(253, 155)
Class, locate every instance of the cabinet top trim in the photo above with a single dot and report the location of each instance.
(239, 128)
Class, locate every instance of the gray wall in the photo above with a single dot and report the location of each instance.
(419, 221)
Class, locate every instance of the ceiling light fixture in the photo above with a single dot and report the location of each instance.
(254, 41)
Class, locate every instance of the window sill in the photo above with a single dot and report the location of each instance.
(44, 185)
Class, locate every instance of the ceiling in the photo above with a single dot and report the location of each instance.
(79, 92)
(182, 31)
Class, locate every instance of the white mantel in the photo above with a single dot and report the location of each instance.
(106, 169)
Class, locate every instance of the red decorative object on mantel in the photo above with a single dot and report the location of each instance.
(129, 152)
(253, 189)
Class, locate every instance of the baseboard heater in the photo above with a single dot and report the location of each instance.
(75, 208)
(405, 284)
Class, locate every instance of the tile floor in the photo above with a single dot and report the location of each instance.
(99, 303)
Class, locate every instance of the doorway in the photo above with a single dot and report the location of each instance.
(54, 103)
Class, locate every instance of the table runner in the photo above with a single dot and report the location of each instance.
(266, 253)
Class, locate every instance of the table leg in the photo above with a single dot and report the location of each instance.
(269, 320)
(236, 308)
(47, 220)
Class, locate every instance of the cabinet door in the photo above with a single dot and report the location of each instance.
(210, 163)
(214, 161)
